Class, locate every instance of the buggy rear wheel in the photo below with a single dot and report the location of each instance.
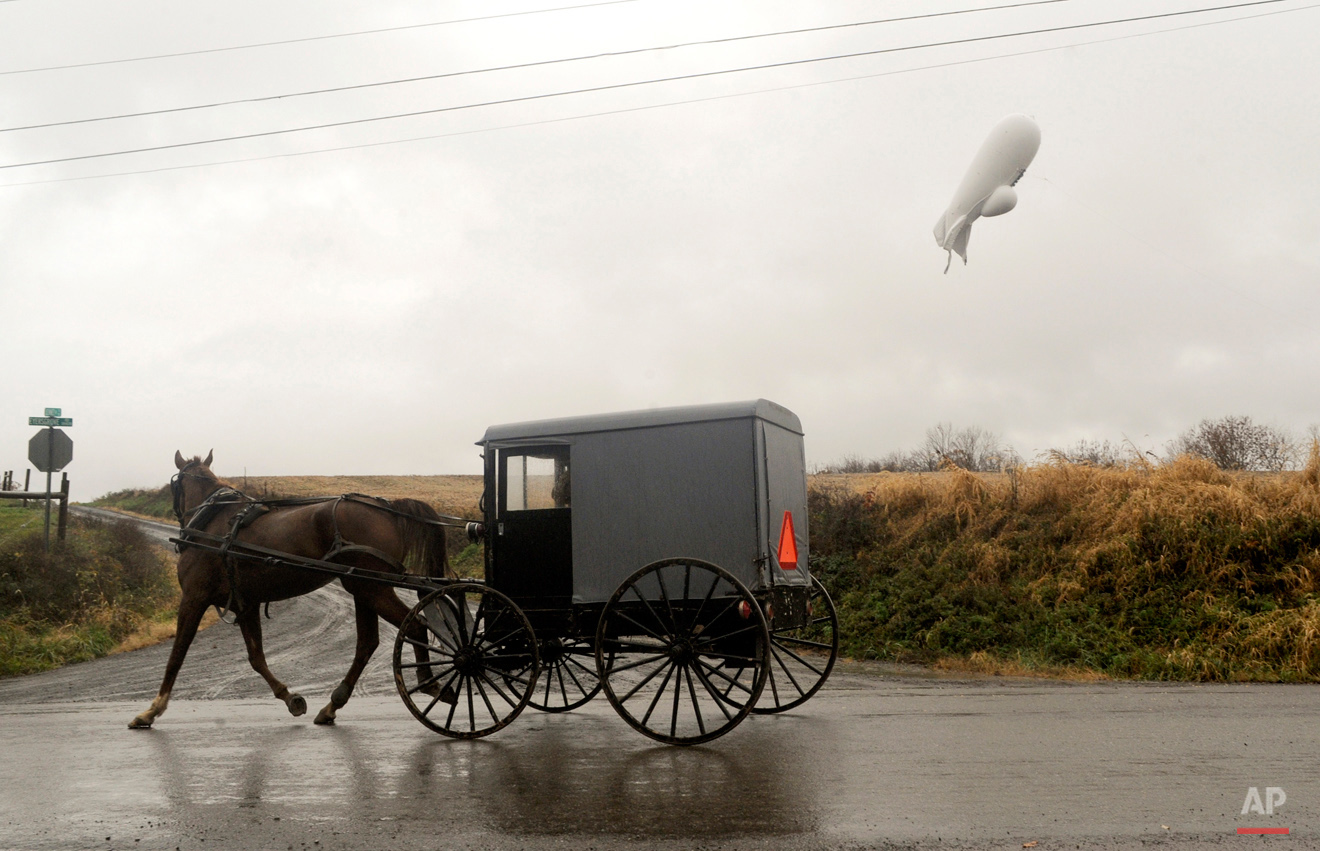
(682, 650)
(801, 657)
(476, 661)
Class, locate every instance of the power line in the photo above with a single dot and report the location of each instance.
(526, 65)
(307, 38)
(626, 110)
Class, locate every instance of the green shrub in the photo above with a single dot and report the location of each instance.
(80, 600)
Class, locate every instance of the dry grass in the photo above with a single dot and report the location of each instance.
(985, 664)
(456, 495)
(154, 632)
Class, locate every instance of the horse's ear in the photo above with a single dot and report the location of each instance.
(207, 462)
(178, 459)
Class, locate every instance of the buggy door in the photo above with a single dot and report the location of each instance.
(532, 548)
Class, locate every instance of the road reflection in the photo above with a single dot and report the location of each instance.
(555, 783)
(564, 775)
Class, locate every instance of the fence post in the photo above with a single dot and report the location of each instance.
(64, 505)
(27, 482)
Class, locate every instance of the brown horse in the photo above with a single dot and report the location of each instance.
(360, 531)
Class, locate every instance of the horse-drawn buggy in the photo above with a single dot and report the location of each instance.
(659, 557)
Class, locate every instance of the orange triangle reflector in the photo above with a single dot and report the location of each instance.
(787, 544)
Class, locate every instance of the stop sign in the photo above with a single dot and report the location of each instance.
(50, 450)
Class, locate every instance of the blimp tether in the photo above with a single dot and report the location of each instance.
(987, 188)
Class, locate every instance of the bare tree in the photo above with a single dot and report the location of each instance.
(1092, 453)
(1236, 443)
(972, 448)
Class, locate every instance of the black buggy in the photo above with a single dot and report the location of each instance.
(658, 556)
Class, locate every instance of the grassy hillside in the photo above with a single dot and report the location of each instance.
(1179, 571)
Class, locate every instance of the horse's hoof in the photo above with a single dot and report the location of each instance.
(297, 706)
(140, 723)
(324, 717)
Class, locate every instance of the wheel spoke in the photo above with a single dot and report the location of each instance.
(486, 700)
(504, 657)
(435, 663)
(805, 642)
(453, 707)
(696, 708)
(472, 712)
(637, 663)
(733, 601)
(646, 680)
(669, 606)
(520, 679)
(641, 644)
(717, 672)
(647, 603)
(423, 645)
(669, 672)
(788, 673)
(770, 681)
(721, 637)
(678, 695)
(452, 619)
(572, 676)
(589, 670)
(719, 700)
(430, 681)
(497, 690)
(657, 636)
(710, 592)
(802, 661)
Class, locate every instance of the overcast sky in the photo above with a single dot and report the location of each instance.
(764, 233)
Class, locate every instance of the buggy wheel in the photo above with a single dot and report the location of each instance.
(682, 650)
(477, 664)
(568, 674)
(801, 657)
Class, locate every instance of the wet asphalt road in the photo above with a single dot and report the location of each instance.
(882, 757)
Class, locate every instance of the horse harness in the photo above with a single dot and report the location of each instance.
(195, 521)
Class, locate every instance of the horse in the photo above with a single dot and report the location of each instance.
(364, 532)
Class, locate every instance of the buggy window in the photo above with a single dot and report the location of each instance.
(533, 479)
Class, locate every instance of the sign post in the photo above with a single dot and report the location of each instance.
(50, 451)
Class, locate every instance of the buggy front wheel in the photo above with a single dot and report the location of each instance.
(568, 675)
(682, 650)
(474, 664)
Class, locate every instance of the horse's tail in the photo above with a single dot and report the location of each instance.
(423, 542)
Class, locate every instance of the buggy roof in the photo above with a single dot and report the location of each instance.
(758, 408)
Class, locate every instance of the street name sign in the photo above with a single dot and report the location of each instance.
(63, 422)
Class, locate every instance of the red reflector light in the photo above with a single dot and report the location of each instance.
(744, 609)
(788, 555)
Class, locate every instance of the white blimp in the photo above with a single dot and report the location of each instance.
(987, 188)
